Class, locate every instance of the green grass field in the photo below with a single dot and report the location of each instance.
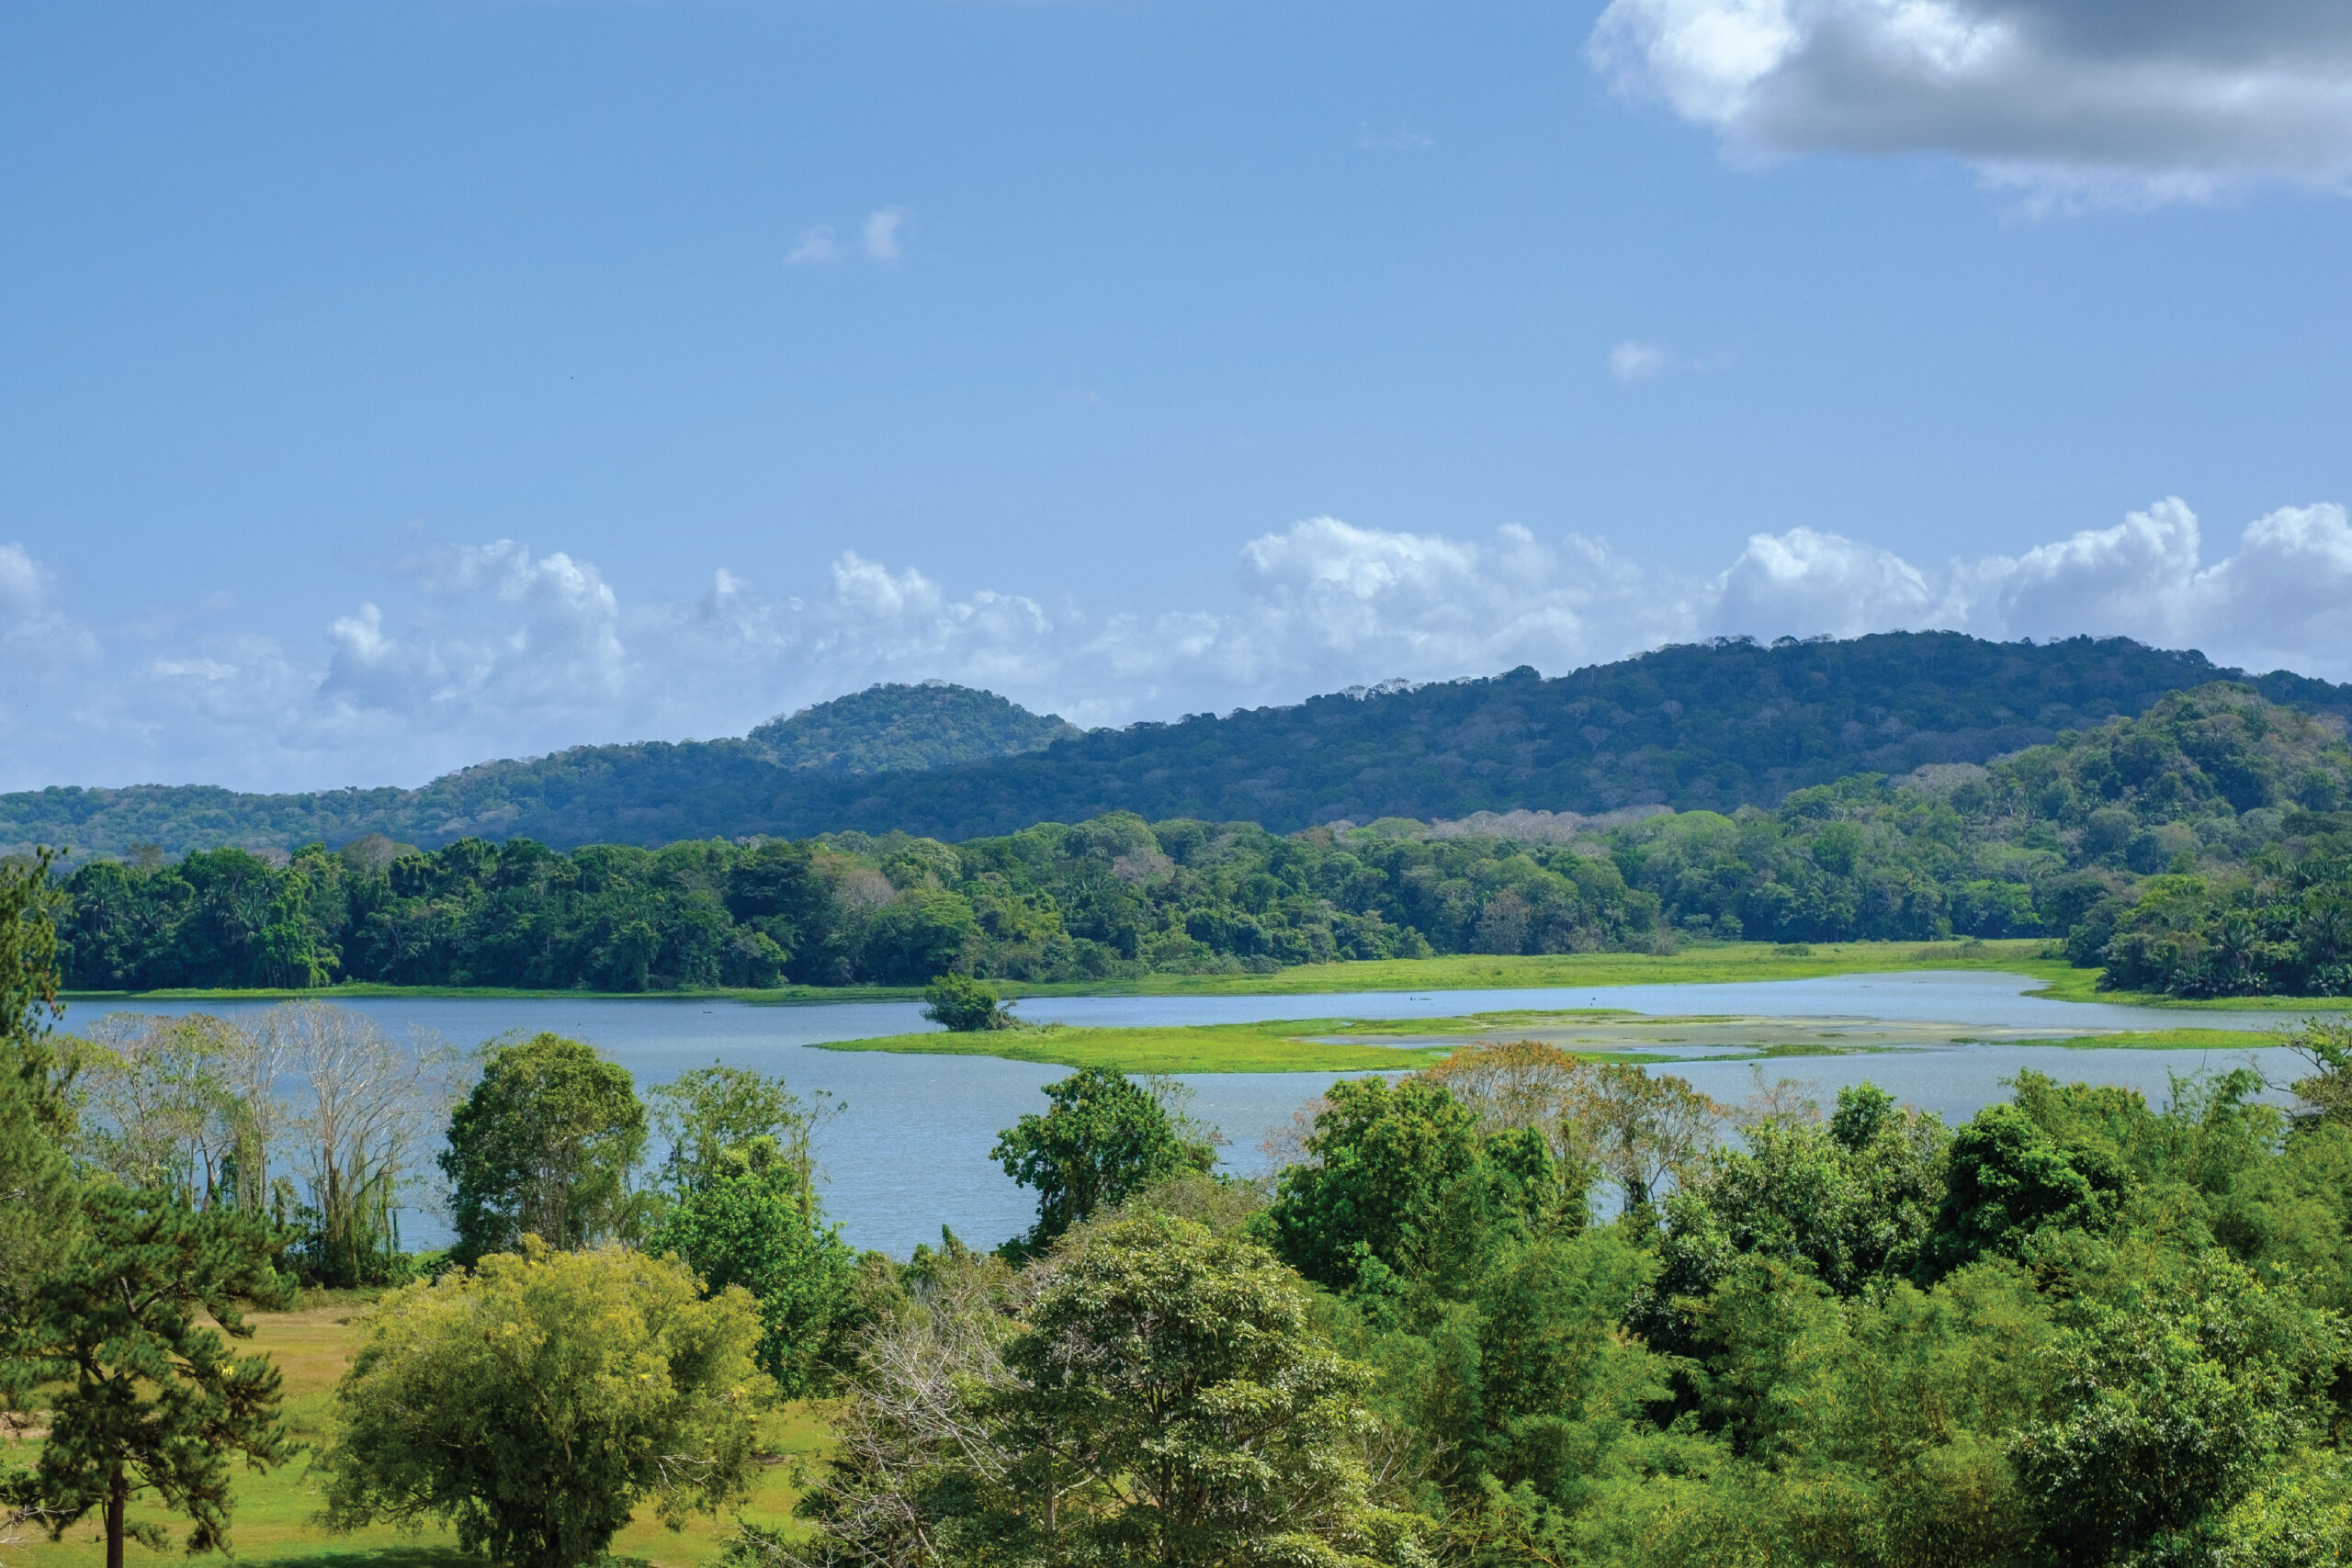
(2159, 1039)
(274, 1510)
(1204, 1048)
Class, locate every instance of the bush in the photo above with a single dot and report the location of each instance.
(965, 1006)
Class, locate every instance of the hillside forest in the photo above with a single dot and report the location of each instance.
(2203, 848)
(1516, 1310)
(1711, 725)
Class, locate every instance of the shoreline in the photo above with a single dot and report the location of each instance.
(1712, 964)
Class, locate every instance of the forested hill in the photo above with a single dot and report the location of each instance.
(1708, 726)
(896, 729)
(2203, 848)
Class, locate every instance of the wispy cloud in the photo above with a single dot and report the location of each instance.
(1631, 361)
(880, 235)
(814, 246)
(881, 238)
(1395, 141)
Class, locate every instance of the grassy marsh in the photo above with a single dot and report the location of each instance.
(1712, 964)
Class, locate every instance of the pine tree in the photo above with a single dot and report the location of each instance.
(148, 1396)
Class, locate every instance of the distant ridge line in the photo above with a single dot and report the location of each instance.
(1713, 725)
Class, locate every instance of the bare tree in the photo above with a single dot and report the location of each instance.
(1287, 1144)
(1781, 1102)
(1517, 1084)
(363, 1108)
(2325, 1094)
(160, 1109)
(1611, 1117)
(250, 1064)
(918, 1412)
(1643, 1131)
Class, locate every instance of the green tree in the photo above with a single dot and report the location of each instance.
(1381, 1167)
(1105, 1137)
(1172, 1402)
(543, 1147)
(38, 1211)
(2012, 1174)
(2178, 1396)
(704, 1113)
(1854, 1202)
(966, 1006)
(1532, 1378)
(2326, 1093)
(750, 1224)
(535, 1403)
(148, 1398)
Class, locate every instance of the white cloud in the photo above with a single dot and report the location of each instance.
(814, 246)
(38, 638)
(881, 238)
(2071, 100)
(880, 235)
(2282, 599)
(1395, 141)
(1824, 583)
(474, 651)
(1631, 361)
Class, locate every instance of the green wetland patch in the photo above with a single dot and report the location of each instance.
(1713, 964)
(1347, 1045)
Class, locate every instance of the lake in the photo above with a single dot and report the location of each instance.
(909, 1153)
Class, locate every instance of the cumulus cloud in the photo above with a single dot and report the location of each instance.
(2279, 600)
(1824, 583)
(2072, 100)
(1631, 361)
(472, 652)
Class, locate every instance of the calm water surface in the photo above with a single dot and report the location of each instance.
(910, 1152)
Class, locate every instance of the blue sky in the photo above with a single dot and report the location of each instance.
(387, 386)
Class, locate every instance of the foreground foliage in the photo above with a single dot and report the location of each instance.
(534, 1404)
(2076, 1330)
(1153, 1394)
(106, 1291)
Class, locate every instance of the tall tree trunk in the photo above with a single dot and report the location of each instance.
(118, 1503)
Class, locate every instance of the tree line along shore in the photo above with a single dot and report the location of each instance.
(2200, 850)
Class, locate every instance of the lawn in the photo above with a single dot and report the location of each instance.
(273, 1521)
